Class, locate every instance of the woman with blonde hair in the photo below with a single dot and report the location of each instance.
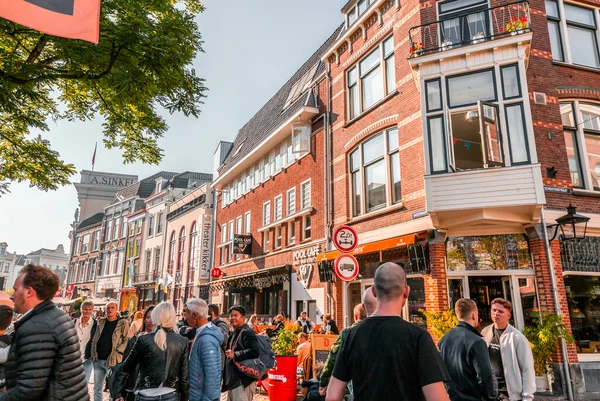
(253, 322)
(136, 325)
(162, 358)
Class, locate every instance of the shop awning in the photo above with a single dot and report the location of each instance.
(376, 246)
(264, 278)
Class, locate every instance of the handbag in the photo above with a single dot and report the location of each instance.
(254, 367)
(116, 378)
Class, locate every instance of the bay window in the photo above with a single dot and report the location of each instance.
(478, 123)
(372, 79)
(579, 28)
(375, 172)
(581, 124)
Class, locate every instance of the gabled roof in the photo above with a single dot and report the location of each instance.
(90, 221)
(274, 113)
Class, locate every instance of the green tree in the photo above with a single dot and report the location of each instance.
(141, 65)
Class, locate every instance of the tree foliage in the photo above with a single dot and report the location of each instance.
(141, 65)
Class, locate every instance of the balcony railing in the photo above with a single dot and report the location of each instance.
(141, 278)
(581, 255)
(471, 27)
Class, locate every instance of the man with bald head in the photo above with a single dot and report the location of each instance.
(385, 357)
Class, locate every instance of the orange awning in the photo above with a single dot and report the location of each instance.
(377, 246)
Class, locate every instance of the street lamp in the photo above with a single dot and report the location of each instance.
(572, 225)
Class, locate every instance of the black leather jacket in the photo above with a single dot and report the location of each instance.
(152, 361)
(465, 354)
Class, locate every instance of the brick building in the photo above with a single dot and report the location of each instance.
(270, 220)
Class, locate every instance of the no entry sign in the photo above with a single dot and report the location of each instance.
(346, 267)
(345, 239)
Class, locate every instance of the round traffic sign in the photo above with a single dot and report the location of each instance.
(345, 239)
(346, 267)
(216, 273)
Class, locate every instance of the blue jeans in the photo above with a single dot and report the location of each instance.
(100, 372)
(87, 369)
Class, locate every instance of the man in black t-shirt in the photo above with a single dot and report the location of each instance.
(385, 357)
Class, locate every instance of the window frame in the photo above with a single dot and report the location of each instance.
(266, 213)
(520, 88)
(302, 193)
(291, 239)
(278, 242)
(464, 74)
(509, 136)
(247, 223)
(289, 211)
(306, 227)
(439, 81)
(386, 156)
(360, 75)
(278, 208)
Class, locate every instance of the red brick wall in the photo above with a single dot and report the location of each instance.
(544, 284)
(436, 286)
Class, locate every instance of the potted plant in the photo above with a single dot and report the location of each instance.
(544, 337)
(440, 323)
(282, 378)
(516, 25)
(417, 49)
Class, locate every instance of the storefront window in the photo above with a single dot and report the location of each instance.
(455, 291)
(416, 301)
(493, 252)
(529, 302)
(583, 295)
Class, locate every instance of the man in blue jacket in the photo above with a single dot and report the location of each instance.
(205, 354)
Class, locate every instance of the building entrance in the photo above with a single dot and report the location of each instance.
(483, 290)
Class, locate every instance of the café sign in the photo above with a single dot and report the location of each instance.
(304, 261)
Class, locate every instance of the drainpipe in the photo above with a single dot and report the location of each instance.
(327, 169)
(563, 345)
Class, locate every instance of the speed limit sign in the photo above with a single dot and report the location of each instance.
(345, 239)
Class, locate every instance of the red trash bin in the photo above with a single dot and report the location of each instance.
(282, 379)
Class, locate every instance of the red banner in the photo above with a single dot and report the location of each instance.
(74, 19)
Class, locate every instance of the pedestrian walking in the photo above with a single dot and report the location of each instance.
(243, 345)
(128, 391)
(304, 324)
(162, 359)
(108, 341)
(84, 325)
(465, 355)
(44, 362)
(385, 357)
(510, 355)
(214, 318)
(359, 315)
(205, 355)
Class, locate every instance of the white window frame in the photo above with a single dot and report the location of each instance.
(231, 231)
(85, 243)
(300, 139)
(278, 239)
(360, 75)
(290, 211)
(302, 194)
(266, 213)
(108, 230)
(95, 240)
(223, 233)
(278, 208)
(291, 239)
(266, 239)
(306, 227)
(247, 223)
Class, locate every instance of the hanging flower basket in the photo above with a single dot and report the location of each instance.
(446, 45)
(418, 49)
(516, 26)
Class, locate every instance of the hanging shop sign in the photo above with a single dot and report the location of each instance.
(345, 239)
(346, 267)
(242, 244)
(304, 261)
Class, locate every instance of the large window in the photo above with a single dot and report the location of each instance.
(475, 122)
(581, 122)
(95, 240)
(193, 248)
(85, 243)
(463, 21)
(583, 296)
(491, 252)
(375, 172)
(579, 28)
(372, 79)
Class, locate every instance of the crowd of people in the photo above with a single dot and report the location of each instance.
(47, 355)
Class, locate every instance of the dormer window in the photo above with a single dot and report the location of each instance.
(299, 87)
(357, 10)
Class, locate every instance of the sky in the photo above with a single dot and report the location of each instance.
(251, 49)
